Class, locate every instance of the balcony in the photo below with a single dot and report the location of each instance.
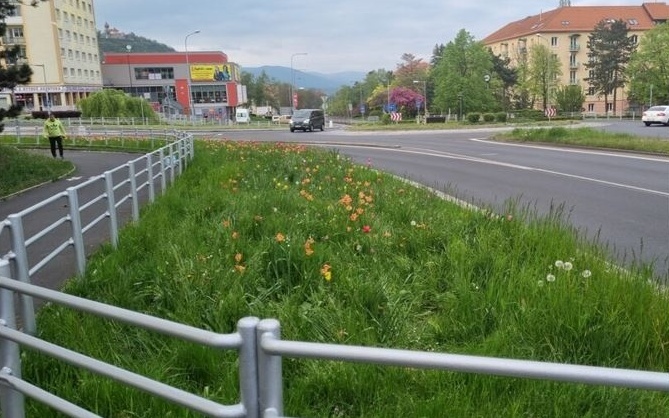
(573, 82)
(573, 65)
(13, 40)
(574, 47)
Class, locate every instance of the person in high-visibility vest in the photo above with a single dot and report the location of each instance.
(55, 131)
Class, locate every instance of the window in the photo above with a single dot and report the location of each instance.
(65, 71)
(554, 41)
(154, 73)
(591, 107)
(609, 107)
(572, 77)
(634, 39)
(591, 91)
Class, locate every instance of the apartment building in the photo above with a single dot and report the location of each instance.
(58, 39)
(565, 31)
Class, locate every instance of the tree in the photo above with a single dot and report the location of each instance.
(609, 52)
(11, 72)
(544, 72)
(570, 98)
(115, 103)
(504, 79)
(461, 71)
(649, 67)
(410, 69)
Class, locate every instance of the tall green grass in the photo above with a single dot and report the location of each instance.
(587, 137)
(20, 169)
(341, 253)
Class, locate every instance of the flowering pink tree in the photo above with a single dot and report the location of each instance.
(405, 99)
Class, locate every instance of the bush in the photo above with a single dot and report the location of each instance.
(488, 117)
(435, 119)
(473, 117)
(60, 114)
(500, 117)
(385, 119)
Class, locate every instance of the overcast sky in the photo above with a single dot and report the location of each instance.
(340, 35)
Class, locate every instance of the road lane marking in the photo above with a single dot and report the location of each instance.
(441, 154)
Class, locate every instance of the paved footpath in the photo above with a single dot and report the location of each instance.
(87, 164)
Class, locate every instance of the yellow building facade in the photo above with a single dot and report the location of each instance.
(58, 39)
(565, 32)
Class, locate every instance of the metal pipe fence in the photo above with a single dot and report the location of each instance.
(63, 221)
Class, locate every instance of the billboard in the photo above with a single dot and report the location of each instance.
(217, 72)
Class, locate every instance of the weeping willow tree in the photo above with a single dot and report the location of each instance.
(111, 103)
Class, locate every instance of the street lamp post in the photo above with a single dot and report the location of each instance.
(46, 93)
(190, 95)
(292, 80)
(424, 97)
(127, 59)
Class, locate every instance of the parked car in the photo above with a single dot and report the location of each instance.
(307, 120)
(656, 114)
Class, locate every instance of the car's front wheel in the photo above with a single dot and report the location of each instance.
(647, 123)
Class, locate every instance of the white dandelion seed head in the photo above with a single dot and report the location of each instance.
(586, 273)
(559, 264)
(550, 278)
(568, 266)
(540, 283)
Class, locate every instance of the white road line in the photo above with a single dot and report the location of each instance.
(452, 156)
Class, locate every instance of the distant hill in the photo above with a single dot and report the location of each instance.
(328, 83)
(118, 42)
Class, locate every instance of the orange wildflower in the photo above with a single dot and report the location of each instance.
(279, 237)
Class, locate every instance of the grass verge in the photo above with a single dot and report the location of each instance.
(21, 169)
(586, 137)
(341, 253)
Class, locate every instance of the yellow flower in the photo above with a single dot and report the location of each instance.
(307, 246)
(240, 268)
(280, 237)
(326, 272)
(238, 257)
(235, 234)
(226, 223)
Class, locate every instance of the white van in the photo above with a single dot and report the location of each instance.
(243, 116)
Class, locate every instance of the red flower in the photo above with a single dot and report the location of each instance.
(366, 229)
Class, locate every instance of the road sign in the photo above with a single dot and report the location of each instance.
(396, 116)
(362, 109)
(392, 107)
(550, 112)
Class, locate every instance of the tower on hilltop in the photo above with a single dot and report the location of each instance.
(565, 3)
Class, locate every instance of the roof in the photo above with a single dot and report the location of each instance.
(164, 58)
(579, 19)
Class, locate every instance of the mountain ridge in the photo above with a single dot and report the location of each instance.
(328, 83)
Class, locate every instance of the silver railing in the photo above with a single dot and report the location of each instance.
(68, 216)
(261, 350)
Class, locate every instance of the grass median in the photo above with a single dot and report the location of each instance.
(342, 253)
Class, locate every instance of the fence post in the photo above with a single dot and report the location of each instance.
(133, 190)
(149, 174)
(22, 271)
(77, 232)
(270, 389)
(248, 365)
(111, 208)
(171, 161)
(11, 401)
(163, 184)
